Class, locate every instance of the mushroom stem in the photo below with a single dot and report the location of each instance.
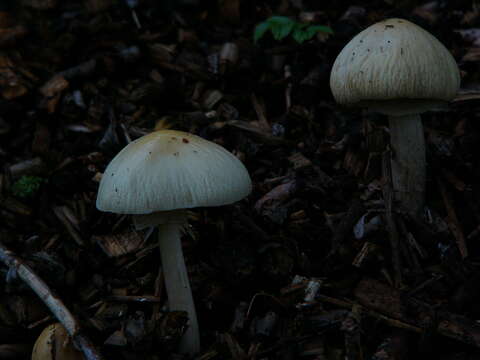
(408, 162)
(176, 280)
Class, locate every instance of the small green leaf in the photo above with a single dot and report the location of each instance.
(282, 31)
(280, 20)
(300, 36)
(320, 28)
(260, 30)
(282, 26)
(27, 186)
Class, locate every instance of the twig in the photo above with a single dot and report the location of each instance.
(392, 227)
(81, 70)
(54, 303)
(384, 299)
(347, 304)
(259, 107)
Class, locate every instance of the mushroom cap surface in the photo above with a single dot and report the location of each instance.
(168, 170)
(394, 64)
(54, 343)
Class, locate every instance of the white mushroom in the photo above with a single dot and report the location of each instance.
(157, 177)
(396, 68)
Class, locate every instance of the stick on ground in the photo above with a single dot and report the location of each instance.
(56, 306)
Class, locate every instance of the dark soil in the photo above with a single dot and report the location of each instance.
(312, 264)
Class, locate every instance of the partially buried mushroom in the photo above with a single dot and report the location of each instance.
(396, 68)
(55, 344)
(156, 178)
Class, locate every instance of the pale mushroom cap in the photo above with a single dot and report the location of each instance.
(168, 170)
(394, 60)
(54, 343)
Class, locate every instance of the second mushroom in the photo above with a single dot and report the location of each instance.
(396, 68)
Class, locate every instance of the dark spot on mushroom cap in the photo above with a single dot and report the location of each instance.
(116, 190)
(150, 152)
(361, 41)
(195, 151)
(175, 153)
(389, 26)
(185, 141)
(112, 174)
(173, 138)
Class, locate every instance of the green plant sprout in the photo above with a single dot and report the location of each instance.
(282, 26)
(27, 186)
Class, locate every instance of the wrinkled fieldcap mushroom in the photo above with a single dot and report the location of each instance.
(168, 170)
(155, 178)
(396, 68)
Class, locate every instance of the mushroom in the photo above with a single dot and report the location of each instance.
(55, 344)
(156, 178)
(398, 69)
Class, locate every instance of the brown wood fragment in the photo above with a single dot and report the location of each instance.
(365, 254)
(347, 304)
(115, 245)
(117, 339)
(61, 213)
(276, 196)
(52, 91)
(454, 180)
(11, 84)
(211, 98)
(83, 69)
(299, 161)
(54, 86)
(258, 132)
(354, 162)
(393, 347)
(10, 36)
(34, 166)
(387, 300)
(15, 206)
(261, 111)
